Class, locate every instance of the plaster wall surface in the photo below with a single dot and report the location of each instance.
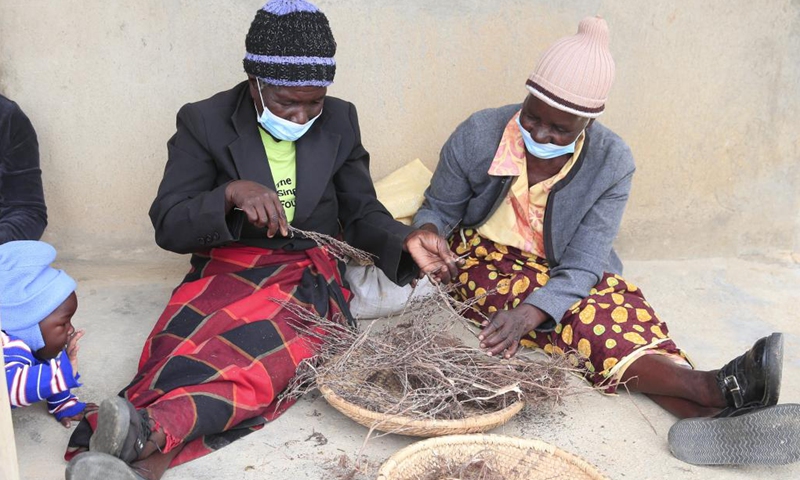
(706, 94)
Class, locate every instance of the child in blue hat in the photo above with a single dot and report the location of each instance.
(40, 345)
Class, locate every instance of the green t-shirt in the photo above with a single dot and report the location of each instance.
(282, 158)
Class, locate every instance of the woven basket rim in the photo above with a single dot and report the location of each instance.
(486, 439)
(354, 411)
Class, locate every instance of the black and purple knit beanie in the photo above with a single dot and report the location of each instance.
(290, 44)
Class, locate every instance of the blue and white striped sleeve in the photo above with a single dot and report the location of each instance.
(30, 380)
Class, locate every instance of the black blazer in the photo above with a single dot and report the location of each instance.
(23, 214)
(217, 141)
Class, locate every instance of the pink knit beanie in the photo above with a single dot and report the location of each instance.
(575, 74)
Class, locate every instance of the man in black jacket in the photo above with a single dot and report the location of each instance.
(23, 215)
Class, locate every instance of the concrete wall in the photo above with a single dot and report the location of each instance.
(706, 95)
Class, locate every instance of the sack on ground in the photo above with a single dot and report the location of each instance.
(375, 296)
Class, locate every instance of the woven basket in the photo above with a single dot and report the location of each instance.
(419, 428)
(513, 458)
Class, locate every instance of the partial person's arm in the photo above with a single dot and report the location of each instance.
(23, 215)
(65, 407)
(190, 212)
(30, 381)
(582, 265)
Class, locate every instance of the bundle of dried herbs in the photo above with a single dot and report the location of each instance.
(418, 368)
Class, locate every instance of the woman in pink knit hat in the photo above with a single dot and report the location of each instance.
(532, 196)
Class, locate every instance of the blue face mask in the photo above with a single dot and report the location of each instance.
(281, 128)
(545, 151)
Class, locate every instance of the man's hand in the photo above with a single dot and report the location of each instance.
(504, 329)
(67, 421)
(72, 349)
(431, 253)
(261, 205)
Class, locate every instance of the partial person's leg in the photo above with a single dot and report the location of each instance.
(155, 464)
(509, 274)
(679, 390)
(216, 389)
(210, 372)
(615, 336)
(753, 429)
(682, 408)
(659, 375)
(624, 341)
(750, 380)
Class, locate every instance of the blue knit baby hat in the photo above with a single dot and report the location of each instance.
(290, 44)
(30, 289)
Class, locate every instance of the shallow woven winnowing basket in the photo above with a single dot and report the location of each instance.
(420, 428)
(514, 458)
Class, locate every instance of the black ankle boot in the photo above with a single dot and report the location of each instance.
(122, 431)
(754, 379)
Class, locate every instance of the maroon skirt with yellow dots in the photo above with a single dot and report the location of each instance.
(602, 334)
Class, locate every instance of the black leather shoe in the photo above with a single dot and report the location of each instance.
(122, 431)
(754, 379)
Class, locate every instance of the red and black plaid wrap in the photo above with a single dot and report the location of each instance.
(224, 348)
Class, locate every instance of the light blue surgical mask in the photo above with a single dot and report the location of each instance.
(281, 128)
(545, 151)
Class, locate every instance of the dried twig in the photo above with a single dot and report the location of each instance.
(418, 369)
(339, 249)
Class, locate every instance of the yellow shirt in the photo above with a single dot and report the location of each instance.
(282, 157)
(519, 220)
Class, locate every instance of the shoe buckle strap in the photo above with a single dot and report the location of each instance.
(732, 384)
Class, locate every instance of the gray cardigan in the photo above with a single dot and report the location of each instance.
(583, 212)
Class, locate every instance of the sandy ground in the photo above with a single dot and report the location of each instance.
(716, 308)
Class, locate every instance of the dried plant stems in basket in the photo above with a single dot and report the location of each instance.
(419, 369)
(480, 467)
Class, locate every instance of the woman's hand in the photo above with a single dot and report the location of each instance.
(261, 205)
(431, 253)
(505, 328)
